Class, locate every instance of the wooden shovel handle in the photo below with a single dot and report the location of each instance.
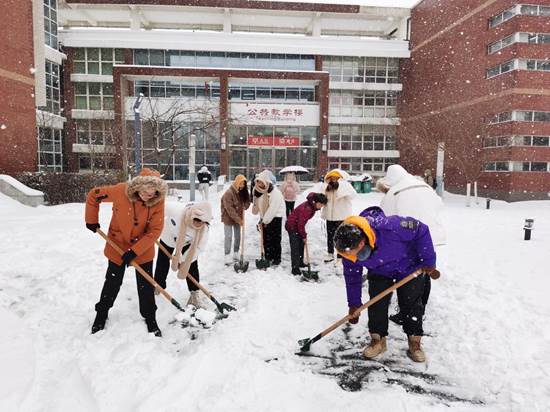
(371, 302)
(141, 271)
(191, 278)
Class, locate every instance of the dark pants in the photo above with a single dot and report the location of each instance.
(113, 280)
(296, 251)
(332, 225)
(289, 207)
(163, 266)
(272, 240)
(411, 306)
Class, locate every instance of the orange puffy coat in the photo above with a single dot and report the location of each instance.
(135, 224)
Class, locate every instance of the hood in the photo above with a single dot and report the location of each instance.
(394, 175)
(333, 173)
(204, 169)
(268, 176)
(199, 210)
(237, 181)
(363, 223)
(148, 178)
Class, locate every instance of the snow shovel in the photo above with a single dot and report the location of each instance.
(241, 265)
(305, 344)
(262, 263)
(220, 306)
(142, 272)
(308, 273)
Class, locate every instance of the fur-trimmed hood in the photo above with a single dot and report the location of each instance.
(148, 178)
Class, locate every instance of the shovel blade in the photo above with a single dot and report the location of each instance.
(310, 274)
(262, 263)
(241, 266)
(305, 344)
(227, 307)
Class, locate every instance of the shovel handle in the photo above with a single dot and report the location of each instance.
(366, 305)
(307, 253)
(191, 278)
(141, 271)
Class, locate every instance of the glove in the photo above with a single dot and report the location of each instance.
(260, 223)
(128, 256)
(432, 272)
(353, 320)
(92, 226)
(257, 194)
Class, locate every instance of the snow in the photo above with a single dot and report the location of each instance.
(487, 336)
(20, 186)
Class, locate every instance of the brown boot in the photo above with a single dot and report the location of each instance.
(376, 346)
(415, 351)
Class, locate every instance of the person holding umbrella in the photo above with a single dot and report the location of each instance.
(290, 189)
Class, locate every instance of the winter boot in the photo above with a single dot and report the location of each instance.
(194, 299)
(228, 259)
(99, 322)
(296, 272)
(397, 317)
(415, 351)
(376, 346)
(329, 257)
(152, 326)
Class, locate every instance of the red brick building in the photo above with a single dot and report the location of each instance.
(479, 80)
(18, 145)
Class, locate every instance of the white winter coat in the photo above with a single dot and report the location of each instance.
(173, 212)
(339, 204)
(410, 196)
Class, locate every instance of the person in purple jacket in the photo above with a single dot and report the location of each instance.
(296, 228)
(390, 247)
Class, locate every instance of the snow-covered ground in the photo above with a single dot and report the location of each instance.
(488, 342)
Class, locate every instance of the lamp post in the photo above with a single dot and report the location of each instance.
(527, 227)
(137, 130)
(192, 143)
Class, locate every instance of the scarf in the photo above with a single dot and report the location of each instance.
(186, 220)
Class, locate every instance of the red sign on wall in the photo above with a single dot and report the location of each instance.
(270, 141)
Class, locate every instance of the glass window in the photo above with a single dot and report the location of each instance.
(141, 57)
(539, 166)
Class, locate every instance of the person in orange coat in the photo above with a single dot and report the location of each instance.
(137, 221)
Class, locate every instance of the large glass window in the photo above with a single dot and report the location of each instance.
(497, 167)
(252, 92)
(50, 151)
(94, 132)
(173, 140)
(53, 90)
(50, 23)
(362, 69)
(97, 61)
(274, 154)
(185, 58)
(93, 96)
(362, 103)
(361, 137)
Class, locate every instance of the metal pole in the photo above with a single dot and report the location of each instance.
(137, 129)
(192, 142)
(439, 168)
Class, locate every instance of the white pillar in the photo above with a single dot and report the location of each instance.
(468, 189)
(192, 141)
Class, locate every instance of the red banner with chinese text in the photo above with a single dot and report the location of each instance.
(279, 141)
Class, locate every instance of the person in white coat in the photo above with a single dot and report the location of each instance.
(186, 229)
(290, 189)
(340, 194)
(269, 203)
(406, 195)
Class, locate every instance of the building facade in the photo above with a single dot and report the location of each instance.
(260, 84)
(478, 84)
(31, 121)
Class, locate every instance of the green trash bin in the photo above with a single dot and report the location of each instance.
(357, 186)
(366, 187)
